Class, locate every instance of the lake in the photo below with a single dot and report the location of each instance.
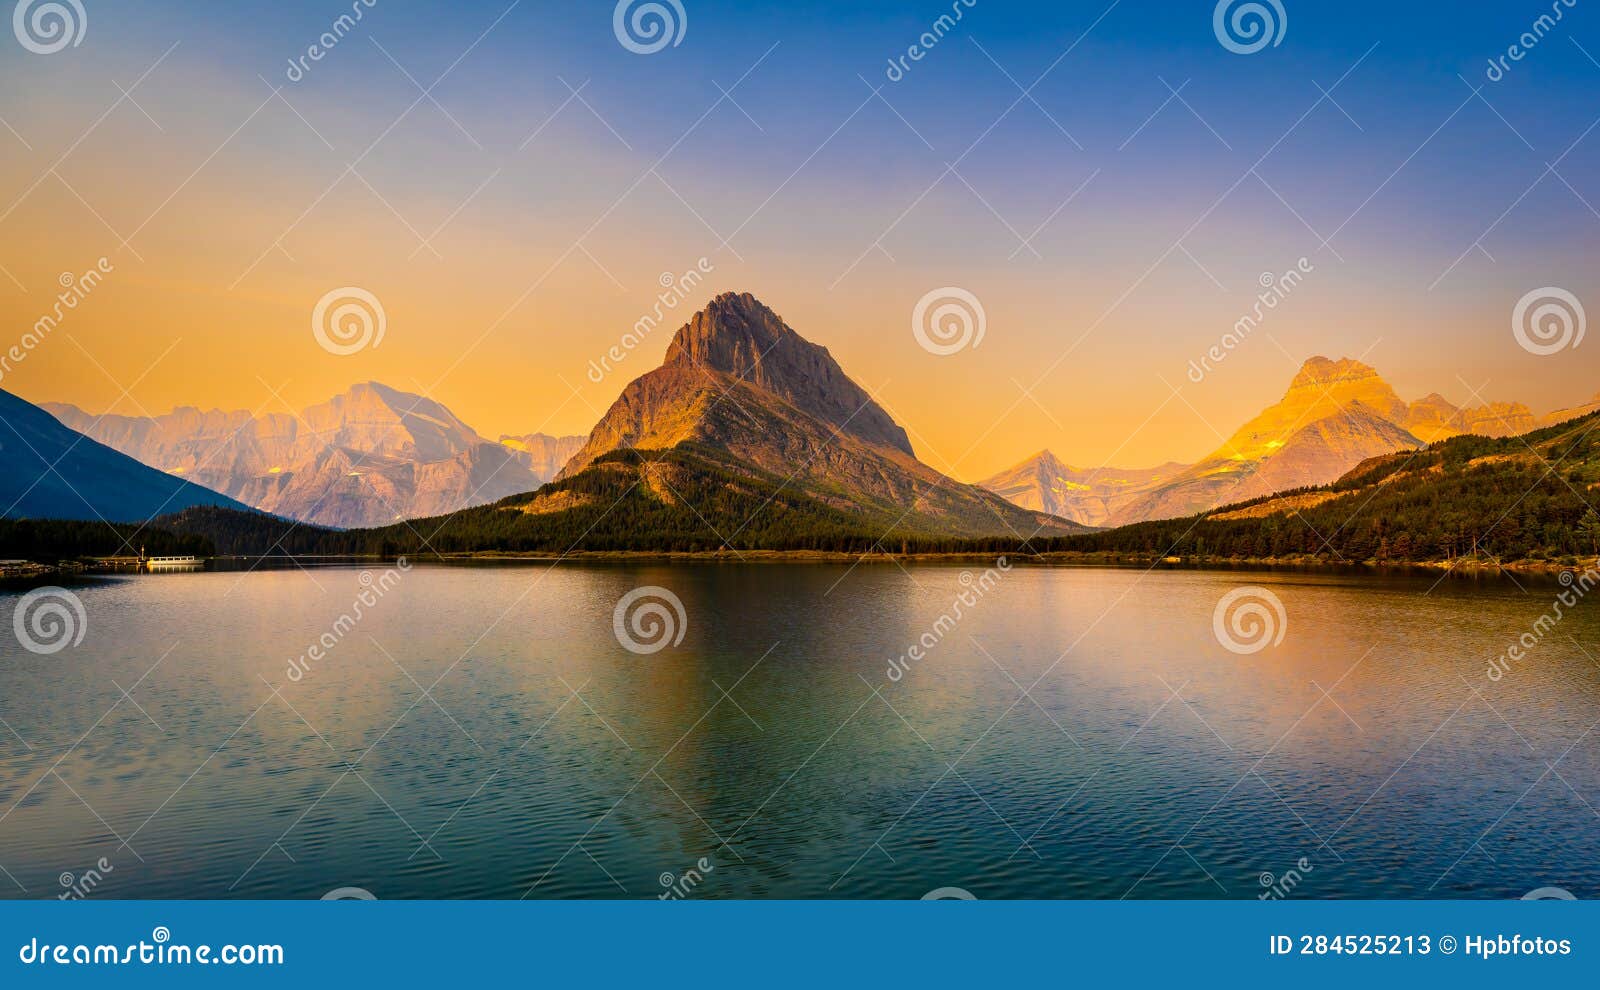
(486, 732)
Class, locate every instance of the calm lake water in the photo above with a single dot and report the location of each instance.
(770, 754)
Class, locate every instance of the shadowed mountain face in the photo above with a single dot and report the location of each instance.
(367, 457)
(737, 335)
(738, 380)
(48, 471)
(738, 341)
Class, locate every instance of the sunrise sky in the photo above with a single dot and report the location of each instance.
(513, 231)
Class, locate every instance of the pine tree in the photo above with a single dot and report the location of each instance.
(1589, 531)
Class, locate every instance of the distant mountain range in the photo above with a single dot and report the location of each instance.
(747, 436)
(1090, 496)
(1525, 498)
(1335, 415)
(48, 471)
(368, 457)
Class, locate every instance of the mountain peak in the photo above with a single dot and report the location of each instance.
(731, 334)
(1088, 496)
(738, 302)
(1321, 372)
(740, 336)
(1047, 460)
(753, 400)
(385, 393)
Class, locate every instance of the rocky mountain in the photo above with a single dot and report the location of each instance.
(367, 457)
(739, 381)
(1497, 419)
(48, 471)
(546, 455)
(1313, 454)
(1090, 496)
(1321, 388)
(1334, 415)
(1435, 418)
(1507, 499)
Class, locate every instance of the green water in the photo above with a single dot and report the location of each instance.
(482, 733)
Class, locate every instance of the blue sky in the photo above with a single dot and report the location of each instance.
(1436, 202)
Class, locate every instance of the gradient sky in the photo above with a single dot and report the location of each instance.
(238, 211)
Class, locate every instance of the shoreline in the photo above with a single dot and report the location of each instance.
(33, 573)
(1057, 559)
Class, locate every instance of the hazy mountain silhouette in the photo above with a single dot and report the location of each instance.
(48, 471)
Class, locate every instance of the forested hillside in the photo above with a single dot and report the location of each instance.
(1530, 497)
